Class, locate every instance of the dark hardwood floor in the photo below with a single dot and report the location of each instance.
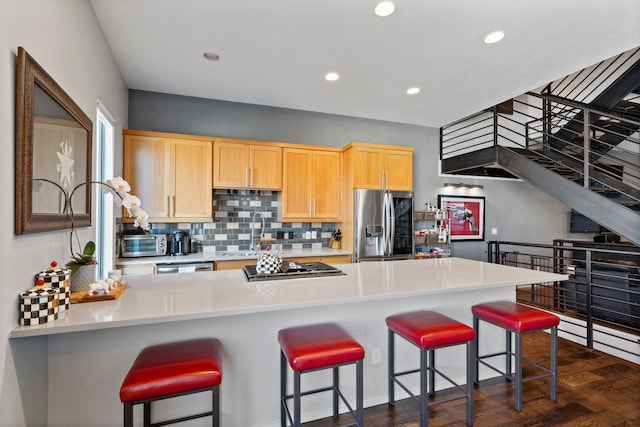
(594, 389)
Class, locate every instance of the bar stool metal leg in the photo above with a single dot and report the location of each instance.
(518, 374)
(432, 373)
(336, 382)
(360, 392)
(128, 414)
(391, 366)
(470, 375)
(476, 350)
(554, 364)
(296, 399)
(283, 389)
(424, 389)
(509, 354)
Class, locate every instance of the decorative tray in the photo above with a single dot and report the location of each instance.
(82, 296)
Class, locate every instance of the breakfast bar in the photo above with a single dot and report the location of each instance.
(91, 347)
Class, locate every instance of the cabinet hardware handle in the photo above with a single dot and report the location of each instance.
(246, 177)
(174, 206)
(251, 177)
(168, 206)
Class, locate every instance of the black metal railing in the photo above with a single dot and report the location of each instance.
(559, 129)
(601, 298)
(586, 85)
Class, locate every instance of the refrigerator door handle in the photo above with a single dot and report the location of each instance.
(384, 224)
(388, 224)
(392, 220)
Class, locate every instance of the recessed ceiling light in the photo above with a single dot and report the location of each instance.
(385, 8)
(211, 56)
(494, 37)
(413, 90)
(332, 77)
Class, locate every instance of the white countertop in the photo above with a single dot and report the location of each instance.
(208, 256)
(173, 297)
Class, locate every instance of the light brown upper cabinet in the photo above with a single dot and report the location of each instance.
(379, 166)
(171, 174)
(312, 185)
(242, 164)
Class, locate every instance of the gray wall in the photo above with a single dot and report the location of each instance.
(518, 211)
(65, 38)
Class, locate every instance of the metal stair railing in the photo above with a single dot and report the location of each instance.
(586, 85)
(600, 302)
(585, 155)
(604, 144)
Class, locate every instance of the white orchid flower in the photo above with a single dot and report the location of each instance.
(141, 218)
(119, 184)
(130, 201)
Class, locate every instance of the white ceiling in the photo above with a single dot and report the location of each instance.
(277, 52)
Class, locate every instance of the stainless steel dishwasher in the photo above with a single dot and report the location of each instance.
(183, 267)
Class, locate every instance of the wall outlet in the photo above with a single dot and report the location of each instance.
(494, 231)
(307, 235)
(314, 234)
(375, 355)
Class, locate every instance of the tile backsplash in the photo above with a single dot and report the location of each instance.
(233, 217)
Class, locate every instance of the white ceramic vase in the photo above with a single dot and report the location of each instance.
(82, 278)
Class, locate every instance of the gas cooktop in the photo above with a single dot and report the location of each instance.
(292, 270)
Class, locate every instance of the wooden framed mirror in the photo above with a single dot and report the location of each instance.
(53, 153)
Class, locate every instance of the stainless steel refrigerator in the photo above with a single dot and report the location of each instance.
(383, 225)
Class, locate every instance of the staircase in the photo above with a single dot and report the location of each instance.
(577, 139)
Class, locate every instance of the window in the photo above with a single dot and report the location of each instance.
(105, 241)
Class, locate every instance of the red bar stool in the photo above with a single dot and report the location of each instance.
(518, 319)
(315, 347)
(429, 331)
(170, 370)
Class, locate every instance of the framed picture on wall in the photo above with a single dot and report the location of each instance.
(466, 216)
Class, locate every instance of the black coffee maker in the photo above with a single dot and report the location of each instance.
(179, 243)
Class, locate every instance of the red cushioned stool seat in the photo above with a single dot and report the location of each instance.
(170, 370)
(429, 331)
(315, 347)
(517, 319)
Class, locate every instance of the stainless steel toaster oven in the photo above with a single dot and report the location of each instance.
(139, 245)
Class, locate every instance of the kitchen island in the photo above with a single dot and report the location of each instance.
(91, 347)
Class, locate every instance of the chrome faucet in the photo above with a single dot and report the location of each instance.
(256, 246)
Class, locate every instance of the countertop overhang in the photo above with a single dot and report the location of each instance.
(188, 296)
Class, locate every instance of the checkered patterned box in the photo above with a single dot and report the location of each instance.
(268, 263)
(58, 278)
(39, 305)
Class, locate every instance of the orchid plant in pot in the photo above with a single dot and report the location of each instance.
(83, 264)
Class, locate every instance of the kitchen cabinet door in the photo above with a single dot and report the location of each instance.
(146, 167)
(312, 182)
(172, 176)
(266, 167)
(231, 162)
(192, 191)
(381, 167)
(368, 169)
(327, 186)
(399, 169)
(296, 185)
(243, 165)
